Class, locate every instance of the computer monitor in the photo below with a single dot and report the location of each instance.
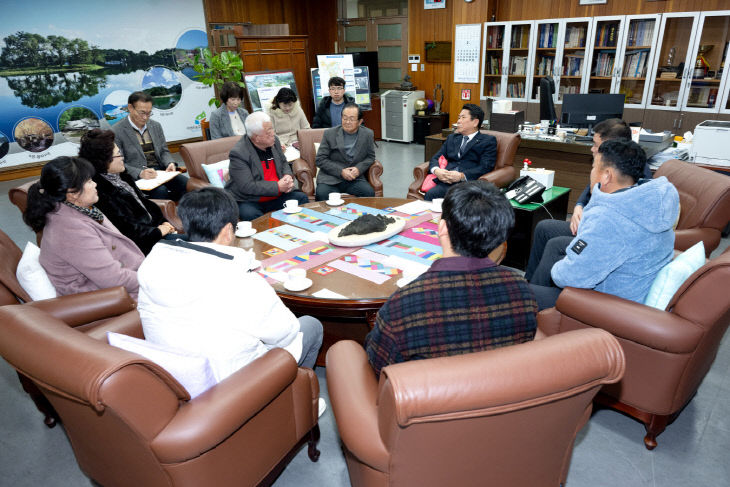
(369, 59)
(587, 110)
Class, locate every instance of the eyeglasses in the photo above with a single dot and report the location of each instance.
(118, 156)
(142, 113)
(337, 88)
(350, 119)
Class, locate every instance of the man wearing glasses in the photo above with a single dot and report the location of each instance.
(344, 157)
(144, 148)
(329, 111)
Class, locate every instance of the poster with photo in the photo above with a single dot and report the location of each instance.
(67, 67)
(331, 65)
(263, 86)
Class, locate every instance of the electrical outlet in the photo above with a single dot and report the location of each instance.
(423, 67)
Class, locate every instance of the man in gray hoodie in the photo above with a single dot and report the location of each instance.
(627, 232)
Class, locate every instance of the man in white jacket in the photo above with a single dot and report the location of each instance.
(199, 296)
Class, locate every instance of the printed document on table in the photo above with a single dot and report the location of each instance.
(162, 178)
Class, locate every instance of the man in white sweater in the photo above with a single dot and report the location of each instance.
(199, 296)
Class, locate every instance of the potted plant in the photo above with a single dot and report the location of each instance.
(216, 69)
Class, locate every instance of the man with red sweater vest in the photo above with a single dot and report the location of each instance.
(260, 177)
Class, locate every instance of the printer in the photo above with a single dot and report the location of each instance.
(710, 143)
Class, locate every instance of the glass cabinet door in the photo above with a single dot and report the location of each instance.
(493, 59)
(637, 54)
(573, 65)
(606, 43)
(518, 67)
(546, 60)
(707, 71)
(672, 60)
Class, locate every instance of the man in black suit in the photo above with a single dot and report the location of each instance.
(469, 153)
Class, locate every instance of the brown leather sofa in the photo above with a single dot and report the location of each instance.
(19, 197)
(305, 168)
(132, 423)
(704, 197)
(196, 154)
(504, 417)
(502, 174)
(668, 353)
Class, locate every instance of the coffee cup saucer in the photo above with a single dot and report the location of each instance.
(335, 203)
(292, 210)
(297, 285)
(245, 233)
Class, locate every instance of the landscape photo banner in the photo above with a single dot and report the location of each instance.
(67, 67)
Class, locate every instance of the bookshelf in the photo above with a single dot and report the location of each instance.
(507, 64)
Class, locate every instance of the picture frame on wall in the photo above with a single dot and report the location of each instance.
(432, 4)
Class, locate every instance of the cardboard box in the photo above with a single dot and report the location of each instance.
(507, 122)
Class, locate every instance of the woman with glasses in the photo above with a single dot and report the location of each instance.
(119, 198)
(228, 119)
(287, 117)
(81, 249)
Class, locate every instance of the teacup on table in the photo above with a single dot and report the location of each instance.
(335, 199)
(244, 229)
(291, 205)
(296, 275)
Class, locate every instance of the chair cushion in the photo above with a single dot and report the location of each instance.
(193, 372)
(672, 275)
(32, 276)
(217, 173)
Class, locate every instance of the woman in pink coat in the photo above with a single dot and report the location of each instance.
(81, 250)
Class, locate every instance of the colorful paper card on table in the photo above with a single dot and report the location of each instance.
(286, 237)
(366, 264)
(311, 255)
(423, 232)
(413, 220)
(310, 220)
(351, 211)
(408, 248)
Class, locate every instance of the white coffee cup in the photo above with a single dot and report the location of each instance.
(335, 197)
(297, 275)
(243, 227)
(291, 204)
(436, 204)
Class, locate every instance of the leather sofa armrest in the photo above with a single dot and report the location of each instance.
(207, 420)
(82, 308)
(303, 174)
(353, 391)
(169, 211)
(684, 239)
(195, 183)
(419, 175)
(373, 177)
(500, 177)
(651, 327)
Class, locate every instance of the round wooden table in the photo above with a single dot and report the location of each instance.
(363, 298)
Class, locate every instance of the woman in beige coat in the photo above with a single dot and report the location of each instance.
(287, 117)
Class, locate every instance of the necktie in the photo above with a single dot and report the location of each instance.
(464, 140)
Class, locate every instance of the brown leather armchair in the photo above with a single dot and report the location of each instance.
(502, 174)
(132, 423)
(196, 154)
(19, 197)
(668, 353)
(704, 198)
(305, 168)
(466, 420)
(82, 310)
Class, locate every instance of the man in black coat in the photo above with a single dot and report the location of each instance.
(469, 153)
(329, 110)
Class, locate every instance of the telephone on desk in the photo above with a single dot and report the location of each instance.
(525, 190)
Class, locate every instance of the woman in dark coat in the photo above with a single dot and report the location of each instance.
(119, 198)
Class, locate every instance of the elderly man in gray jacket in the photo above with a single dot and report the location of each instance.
(260, 177)
(142, 143)
(344, 157)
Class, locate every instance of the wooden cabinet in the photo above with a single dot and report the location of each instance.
(285, 53)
